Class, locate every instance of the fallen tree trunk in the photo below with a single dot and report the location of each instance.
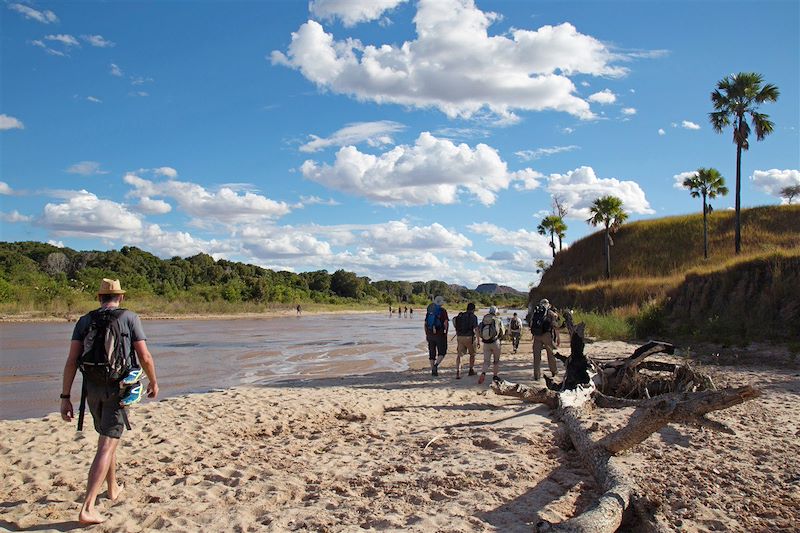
(587, 386)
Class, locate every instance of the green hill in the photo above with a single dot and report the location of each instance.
(658, 267)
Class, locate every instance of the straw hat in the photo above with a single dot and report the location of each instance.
(493, 310)
(110, 286)
(438, 300)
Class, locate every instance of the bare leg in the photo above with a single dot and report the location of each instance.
(106, 448)
(114, 489)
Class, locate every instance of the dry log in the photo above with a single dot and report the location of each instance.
(579, 394)
(683, 408)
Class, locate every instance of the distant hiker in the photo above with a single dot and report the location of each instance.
(467, 334)
(106, 344)
(298, 310)
(542, 321)
(411, 312)
(436, 324)
(491, 329)
(515, 326)
(405, 311)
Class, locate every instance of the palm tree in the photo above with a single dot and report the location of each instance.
(560, 228)
(736, 96)
(607, 210)
(708, 183)
(548, 225)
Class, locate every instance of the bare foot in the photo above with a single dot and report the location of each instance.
(115, 492)
(86, 517)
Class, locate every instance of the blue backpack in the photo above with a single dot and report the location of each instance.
(433, 319)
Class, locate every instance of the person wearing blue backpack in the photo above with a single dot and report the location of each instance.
(436, 325)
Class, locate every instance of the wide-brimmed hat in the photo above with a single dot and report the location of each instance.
(438, 300)
(492, 310)
(110, 286)
(544, 302)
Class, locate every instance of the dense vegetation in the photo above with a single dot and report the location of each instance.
(38, 277)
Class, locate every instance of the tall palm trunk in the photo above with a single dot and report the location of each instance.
(559, 240)
(705, 228)
(553, 243)
(608, 254)
(737, 216)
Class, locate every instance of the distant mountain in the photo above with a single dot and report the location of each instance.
(494, 288)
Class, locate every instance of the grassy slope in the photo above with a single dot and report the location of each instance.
(662, 261)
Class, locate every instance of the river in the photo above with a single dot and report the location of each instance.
(200, 355)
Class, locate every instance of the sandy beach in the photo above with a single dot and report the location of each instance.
(399, 451)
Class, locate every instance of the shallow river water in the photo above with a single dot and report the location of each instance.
(199, 355)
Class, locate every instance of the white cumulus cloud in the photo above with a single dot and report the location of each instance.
(8, 122)
(661, 131)
(455, 65)
(14, 217)
(225, 205)
(678, 178)
(94, 99)
(5, 188)
(773, 180)
(432, 171)
(603, 97)
(628, 111)
(153, 207)
(351, 12)
(84, 214)
(114, 70)
(580, 187)
(689, 125)
(377, 133)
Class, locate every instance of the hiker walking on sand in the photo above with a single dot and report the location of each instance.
(543, 320)
(467, 334)
(106, 365)
(436, 324)
(515, 326)
(491, 329)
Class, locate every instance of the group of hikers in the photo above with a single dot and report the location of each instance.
(490, 330)
(402, 311)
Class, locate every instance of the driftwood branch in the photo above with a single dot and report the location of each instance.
(685, 397)
(525, 393)
(683, 408)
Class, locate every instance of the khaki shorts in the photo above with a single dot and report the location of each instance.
(466, 343)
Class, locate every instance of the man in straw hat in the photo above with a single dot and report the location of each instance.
(104, 395)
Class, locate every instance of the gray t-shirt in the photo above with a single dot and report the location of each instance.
(129, 322)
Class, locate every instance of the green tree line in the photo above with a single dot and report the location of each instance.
(37, 274)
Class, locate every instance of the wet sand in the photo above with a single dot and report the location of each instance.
(400, 451)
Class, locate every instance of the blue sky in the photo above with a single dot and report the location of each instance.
(398, 139)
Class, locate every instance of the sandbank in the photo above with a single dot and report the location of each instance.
(398, 451)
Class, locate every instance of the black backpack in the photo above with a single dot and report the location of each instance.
(540, 320)
(106, 357)
(463, 324)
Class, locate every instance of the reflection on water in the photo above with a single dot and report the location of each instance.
(196, 356)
